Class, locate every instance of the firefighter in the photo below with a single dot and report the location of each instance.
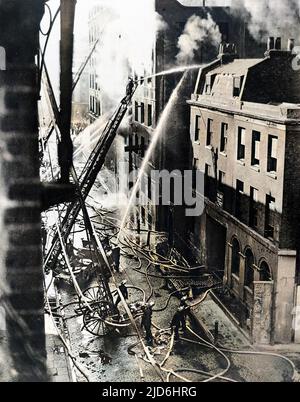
(129, 88)
(129, 91)
(123, 289)
(147, 322)
(179, 318)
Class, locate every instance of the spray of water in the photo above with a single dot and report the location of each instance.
(156, 136)
(171, 71)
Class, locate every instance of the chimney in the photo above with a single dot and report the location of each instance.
(221, 49)
(278, 43)
(227, 52)
(291, 45)
(271, 43)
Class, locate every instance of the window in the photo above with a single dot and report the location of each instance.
(221, 177)
(136, 111)
(209, 132)
(208, 84)
(207, 179)
(237, 86)
(272, 153)
(150, 120)
(197, 128)
(241, 143)
(249, 274)
(143, 215)
(239, 198)
(142, 113)
(235, 261)
(265, 272)
(270, 216)
(149, 188)
(255, 148)
(253, 218)
(224, 138)
(195, 167)
(141, 145)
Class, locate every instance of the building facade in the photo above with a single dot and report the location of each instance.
(94, 89)
(152, 96)
(245, 127)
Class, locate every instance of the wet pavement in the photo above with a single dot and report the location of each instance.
(119, 365)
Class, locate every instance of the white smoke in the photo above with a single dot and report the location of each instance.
(128, 31)
(270, 17)
(196, 32)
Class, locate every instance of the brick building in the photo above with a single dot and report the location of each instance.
(245, 127)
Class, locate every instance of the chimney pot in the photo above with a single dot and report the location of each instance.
(278, 43)
(271, 43)
(221, 49)
(291, 44)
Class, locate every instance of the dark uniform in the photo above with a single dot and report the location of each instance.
(129, 91)
(179, 319)
(147, 323)
(123, 289)
(129, 87)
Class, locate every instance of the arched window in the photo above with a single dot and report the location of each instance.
(235, 263)
(249, 273)
(2, 59)
(265, 272)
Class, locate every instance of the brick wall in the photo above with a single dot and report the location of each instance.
(20, 221)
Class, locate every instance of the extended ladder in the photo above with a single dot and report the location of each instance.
(87, 180)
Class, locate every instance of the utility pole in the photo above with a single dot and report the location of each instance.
(65, 149)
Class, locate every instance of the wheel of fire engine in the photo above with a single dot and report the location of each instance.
(94, 321)
(91, 295)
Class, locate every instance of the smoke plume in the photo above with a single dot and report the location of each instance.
(270, 17)
(128, 31)
(196, 32)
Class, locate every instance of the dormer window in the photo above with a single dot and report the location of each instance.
(208, 84)
(237, 86)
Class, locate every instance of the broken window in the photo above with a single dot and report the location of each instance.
(241, 143)
(253, 218)
(150, 122)
(255, 148)
(270, 217)
(224, 138)
(197, 128)
(272, 153)
(209, 132)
